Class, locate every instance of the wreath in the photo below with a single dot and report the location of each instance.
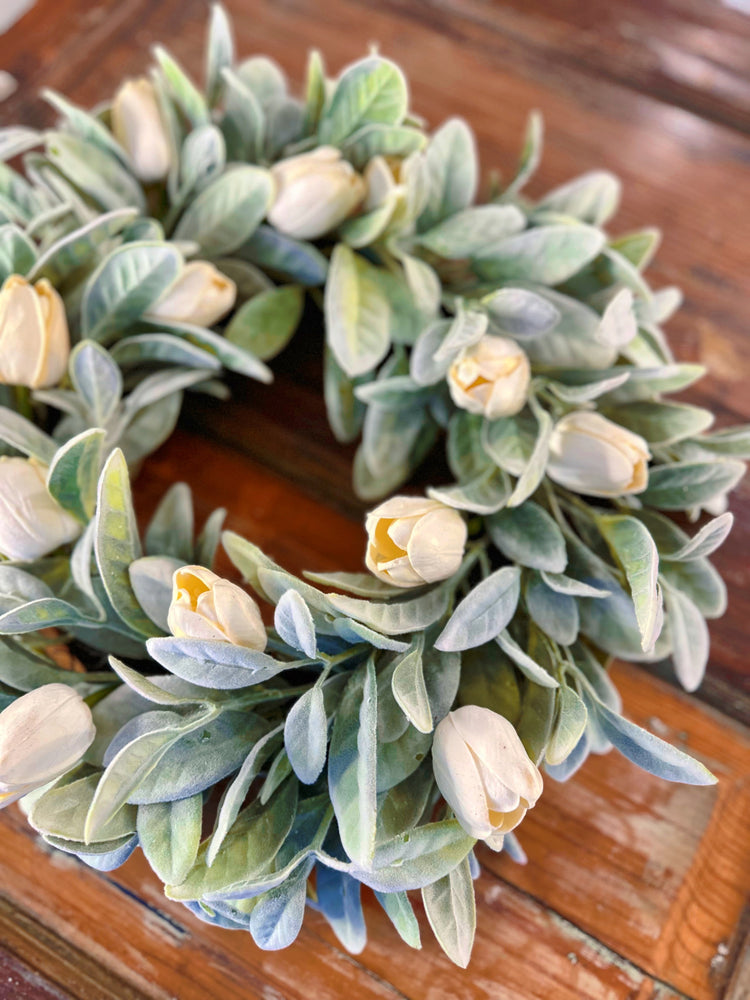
(387, 720)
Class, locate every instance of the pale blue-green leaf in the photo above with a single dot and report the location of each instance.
(547, 254)
(570, 725)
(528, 667)
(214, 664)
(533, 474)
(401, 914)
(219, 52)
(352, 766)
(227, 212)
(467, 329)
(76, 249)
(556, 614)
(151, 580)
(690, 640)
(372, 91)
(361, 584)
(17, 252)
(469, 232)
(94, 171)
(452, 167)
(265, 324)
(484, 612)
(396, 617)
(339, 899)
(74, 473)
(61, 812)
(520, 312)
(592, 197)
(703, 544)
(277, 917)
(382, 140)
(21, 434)
(182, 88)
(294, 623)
(508, 442)
(170, 530)
(127, 282)
(169, 834)
(484, 495)
(306, 735)
(451, 911)
(355, 632)
(635, 550)
(690, 484)
(660, 423)
(293, 259)
(409, 689)
(97, 380)
(358, 315)
(531, 154)
(528, 535)
(567, 585)
(424, 367)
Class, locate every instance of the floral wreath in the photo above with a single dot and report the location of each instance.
(390, 719)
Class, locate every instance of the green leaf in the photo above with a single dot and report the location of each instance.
(382, 140)
(401, 914)
(396, 617)
(21, 434)
(294, 623)
(569, 726)
(352, 766)
(135, 761)
(547, 254)
(181, 87)
(61, 812)
(17, 252)
(117, 544)
(472, 230)
(306, 735)
(233, 357)
(73, 476)
(219, 52)
(128, 281)
(556, 614)
(372, 91)
(484, 495)
(451, 158)
(484, 612)
(213, 663)
(531, 154)
(409, 688)
(533, 474)
(594, 198)
(528, 535)
(170, 531)
(358, 315)
(451, 911)
(661, 423)
(690, 484)
(97, 380)
(266, 323)
(169, 834)
(648, 751)
(520, 312)
(97, 173)
(690, 640)
(295, 260)
(528, 667)
(227, 212)
(633, 547)
(77, 249)
(711, 536)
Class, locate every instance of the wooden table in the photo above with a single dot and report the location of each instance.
(635, 888)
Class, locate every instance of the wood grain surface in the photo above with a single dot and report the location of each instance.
(635, 888)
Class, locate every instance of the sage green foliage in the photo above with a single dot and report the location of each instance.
(323, 738)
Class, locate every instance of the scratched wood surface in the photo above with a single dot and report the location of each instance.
(635, 888)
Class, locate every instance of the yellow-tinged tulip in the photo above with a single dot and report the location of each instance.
(590, 454)
(204, 606)
(490, 377)
(34, 338)
(413, 541)
(315, 192)
(484, 773)
(32, 522)
(138, 127)
(42, 735)
(201, 295)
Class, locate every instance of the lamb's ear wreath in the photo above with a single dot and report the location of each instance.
(387, 719)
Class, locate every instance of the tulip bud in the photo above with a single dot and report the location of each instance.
(590, 454)
(413, 541)
(34, 338)
(315, 192)
(490, 377)
(137, 125)
(32, 522)
(201, 295)
(204, 606)
(42, 735)
(484, 773)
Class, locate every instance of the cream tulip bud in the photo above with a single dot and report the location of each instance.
(204, 606)
(590, 454)
(32, 522)
(315, 192)
(34, 338)
(42, 735)
(201, 295)
(138, 127)
(490, 377)
(484, 773)
(413, 541)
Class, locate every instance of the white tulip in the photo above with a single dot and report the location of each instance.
(413, 541)
(32, 522)
(590, 454)
(484, 773)
(490, 377)
(34, 338)
(138, 127)
(315, 192)
(201, 295)
(204, 606)
(42, 735)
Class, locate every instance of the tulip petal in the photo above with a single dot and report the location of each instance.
(458, 779)
(437, 544)
(239, 616)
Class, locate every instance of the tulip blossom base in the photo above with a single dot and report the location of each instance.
(280, 745)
